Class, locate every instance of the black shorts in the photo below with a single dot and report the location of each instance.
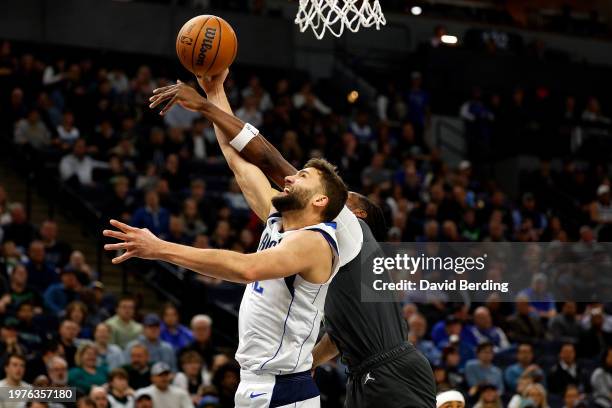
(402, 381)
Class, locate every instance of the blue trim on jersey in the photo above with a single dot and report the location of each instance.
(331, 224)
(327, 236)
(276, 214)
(292, 388)
(315, 298)
(282, 337)
(289, 281)
(304, 342)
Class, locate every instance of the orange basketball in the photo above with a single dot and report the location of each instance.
(206, 45)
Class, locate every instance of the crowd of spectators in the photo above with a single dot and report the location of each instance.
(90, 122)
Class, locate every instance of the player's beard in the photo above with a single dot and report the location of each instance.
(296, 200)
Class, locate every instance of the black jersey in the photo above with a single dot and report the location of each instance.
(361, 329)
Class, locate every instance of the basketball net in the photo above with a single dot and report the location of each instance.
(336, 15)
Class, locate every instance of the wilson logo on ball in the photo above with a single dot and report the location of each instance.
(186, 40)
(207, 44)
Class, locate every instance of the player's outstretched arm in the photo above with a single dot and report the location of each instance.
(258, 150)
(253, 183)
(293, 255)
(324, 351)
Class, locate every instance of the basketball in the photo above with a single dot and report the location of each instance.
(206, 45)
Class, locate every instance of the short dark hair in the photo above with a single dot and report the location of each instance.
(118, 372)
(375, 217)
(14, 355)
(484, 345)
(333, 187)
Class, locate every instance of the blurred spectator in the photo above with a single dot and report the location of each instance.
(517, 399)
(417, 100)
(565, 326)
(417, 326)
(40, 273)
(39, 363)
(68, 332)
(256, 90)
(483, 331)
(572, 397)
(59, 295)
(143, 401)
(14, 369)
(139, 368)
(172, 331)
(601, 381)
(84, 272)
(249, 112)
(109, 354)
(119, 392)
(482, 371)
(192, 376)
(236, 201)
(539, 296)
(488, 397)
(535, 396)
(179, 117)
(57, 369)
(306, 98)
(123, 326)
(191, 219)
(121, 203)
(33, 132)
(601, 213)
(566, 371)
(19, 289)
(19, 230)
(226, 379)
(57, 252)
(87, 372)
(99, 396)
(152, 215)
(594, 339)
(158, 349)
(67, 132)
(162, 392)
(201, 328)
(523, 367)
(78, 167)
(524, 326)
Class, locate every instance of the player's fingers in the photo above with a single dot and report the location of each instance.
(123, 227)
(163, 89)
(168, 106)
(117, 246)
(157, 99)
(115, 234)
(124, 257)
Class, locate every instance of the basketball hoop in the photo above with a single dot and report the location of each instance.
(336, 15)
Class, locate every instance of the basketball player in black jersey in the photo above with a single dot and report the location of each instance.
(385, 370)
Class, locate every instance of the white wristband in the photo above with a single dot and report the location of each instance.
(244, 137)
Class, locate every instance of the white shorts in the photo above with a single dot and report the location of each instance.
(277, 391)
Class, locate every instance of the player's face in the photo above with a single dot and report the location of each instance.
(299, 190)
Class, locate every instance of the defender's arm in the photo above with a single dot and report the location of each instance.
(324, 351)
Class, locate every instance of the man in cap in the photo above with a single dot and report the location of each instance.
(158, 349)
(162, 393)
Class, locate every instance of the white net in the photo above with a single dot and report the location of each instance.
(335, 16)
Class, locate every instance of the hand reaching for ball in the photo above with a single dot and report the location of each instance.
(212, 85)
(180, 93)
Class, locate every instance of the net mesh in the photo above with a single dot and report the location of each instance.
(335, 16)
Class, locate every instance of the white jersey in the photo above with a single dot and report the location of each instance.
(279, 319)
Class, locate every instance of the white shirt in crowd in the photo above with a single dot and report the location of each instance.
(173, 397)
(179, 117)
(83, 168)
(4, 403)
(68, 136)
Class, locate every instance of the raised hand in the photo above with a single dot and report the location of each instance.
(180, 93)
(210, 85)
(137, 242)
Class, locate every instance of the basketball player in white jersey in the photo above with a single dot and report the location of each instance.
(287, 278)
